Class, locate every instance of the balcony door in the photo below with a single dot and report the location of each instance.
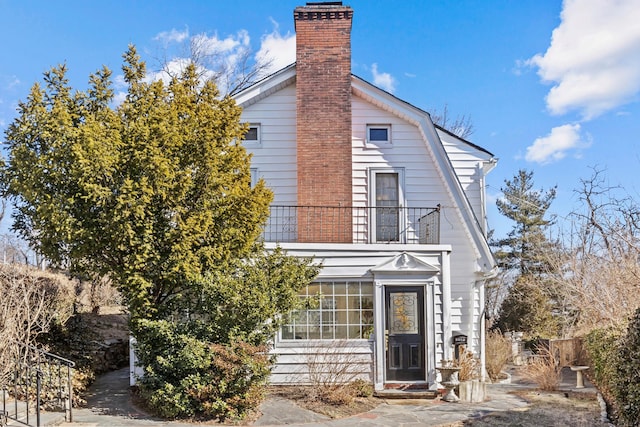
(387, 200)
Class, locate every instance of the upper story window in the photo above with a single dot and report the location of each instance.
(253, 136)
(379, 135)
(387, 199)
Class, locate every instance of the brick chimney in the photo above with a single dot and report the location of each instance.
(323, 106)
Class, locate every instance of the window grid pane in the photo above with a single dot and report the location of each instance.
(344, 310)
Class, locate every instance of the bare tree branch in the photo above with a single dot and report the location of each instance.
(460, 126)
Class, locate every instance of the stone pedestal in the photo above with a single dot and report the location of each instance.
(472, 391)
(579, 378)
(450, 382)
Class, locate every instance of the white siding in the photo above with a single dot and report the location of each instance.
(312, 362)
(468, 161)
(424, 187)
(275, 159)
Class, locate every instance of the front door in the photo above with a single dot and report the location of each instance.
(405, 349)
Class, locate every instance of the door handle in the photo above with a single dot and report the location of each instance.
(386, 340)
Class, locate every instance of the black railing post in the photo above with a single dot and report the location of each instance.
(3, 414)
(38, 389)
(70, 394)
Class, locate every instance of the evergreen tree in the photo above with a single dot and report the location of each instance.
(152, 193)
(529, 309)
(524, 255)
(156, 194)
(523, 250)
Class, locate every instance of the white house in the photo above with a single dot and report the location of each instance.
(392, 205)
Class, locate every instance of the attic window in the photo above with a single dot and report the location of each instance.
(379, 135)
(252, 137)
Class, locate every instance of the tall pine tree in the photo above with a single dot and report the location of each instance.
(524, 255)
(523, 250)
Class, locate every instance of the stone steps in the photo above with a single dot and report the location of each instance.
(409, 393)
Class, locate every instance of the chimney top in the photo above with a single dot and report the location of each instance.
(322, 10)
(324, 3)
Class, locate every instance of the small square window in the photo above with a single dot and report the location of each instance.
(252, 136)
(379, 135)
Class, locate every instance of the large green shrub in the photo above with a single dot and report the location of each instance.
(601, 346)
(209, 357)
(614, 358)
(187, 376)
(627, 390)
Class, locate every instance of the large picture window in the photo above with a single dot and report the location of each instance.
(339, 310)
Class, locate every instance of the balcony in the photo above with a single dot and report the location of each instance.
(368, 225)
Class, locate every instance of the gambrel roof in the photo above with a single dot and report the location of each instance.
(430, 135)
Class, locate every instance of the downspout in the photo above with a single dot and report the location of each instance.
(446, 305)
(482, 321)
(482, 343)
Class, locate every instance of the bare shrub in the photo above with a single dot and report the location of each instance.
(31, 300)
(97, 294)
(544, 370)
(334, 372)
(497, 353)
(600, 281)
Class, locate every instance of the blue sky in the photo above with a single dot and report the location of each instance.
(550, 86)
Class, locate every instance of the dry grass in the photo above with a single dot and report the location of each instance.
(498, 353)
(544, 370)
(469, 365)
(306, 397)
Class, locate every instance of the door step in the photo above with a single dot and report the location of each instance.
(406, 391)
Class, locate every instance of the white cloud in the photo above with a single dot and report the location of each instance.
(216, 58)
(383, 80)
(276, 50)
(10, 82)
(118, 98)
(212, 45)
(593, 60)
(173, 36)
(119, 82)
(555, 146)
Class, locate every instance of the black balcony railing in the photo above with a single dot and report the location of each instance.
(367, 224)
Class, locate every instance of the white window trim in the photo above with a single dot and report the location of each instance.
(401, 197)
(257, 142)
(254, 177)
(378, 144)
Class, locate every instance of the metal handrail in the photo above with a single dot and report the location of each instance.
(47, 368)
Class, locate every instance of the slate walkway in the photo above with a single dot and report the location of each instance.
(109, 404)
